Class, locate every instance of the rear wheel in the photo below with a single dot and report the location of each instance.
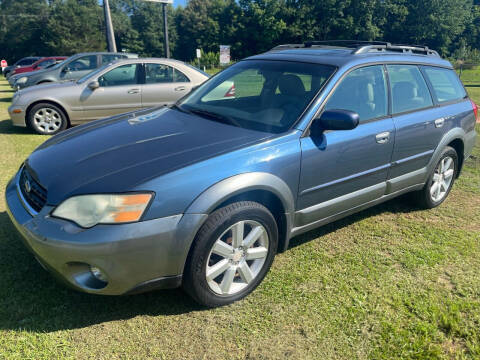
(232, 253)
(47, 119)
(441, 180)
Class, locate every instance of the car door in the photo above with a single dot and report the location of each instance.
(419, 124)
(164, 85)
(119, 92)
(79, 67)
(341, 170)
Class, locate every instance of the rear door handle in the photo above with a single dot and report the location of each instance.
(133, 91)
(383, 138)
(439, 122)
(180, 88)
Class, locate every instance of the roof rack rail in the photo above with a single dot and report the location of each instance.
(362, 47)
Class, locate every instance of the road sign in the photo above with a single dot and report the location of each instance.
(224, 54)
(4, 64)
(199, 53)
(161, 1)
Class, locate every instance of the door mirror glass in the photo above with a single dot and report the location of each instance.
(335, 120)
(93, 85)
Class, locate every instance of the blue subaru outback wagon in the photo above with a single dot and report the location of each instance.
(203, 194)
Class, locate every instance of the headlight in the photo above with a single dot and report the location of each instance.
(22, 80)
(90, 210)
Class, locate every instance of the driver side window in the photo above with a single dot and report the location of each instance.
(363, 91)
(121, 75)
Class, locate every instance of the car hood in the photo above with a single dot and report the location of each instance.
(119, 154)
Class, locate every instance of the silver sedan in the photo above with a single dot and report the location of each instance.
(115, 88)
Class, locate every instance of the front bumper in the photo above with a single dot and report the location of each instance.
(135, 257)
(18, 118)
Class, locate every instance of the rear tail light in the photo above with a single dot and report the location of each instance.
(230, 92)
(475, 111)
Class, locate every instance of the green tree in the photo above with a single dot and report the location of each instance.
(74, 26)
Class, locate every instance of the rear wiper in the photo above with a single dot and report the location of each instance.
(214, 116)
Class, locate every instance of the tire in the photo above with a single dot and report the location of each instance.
(47, 119)
(440, 181)
(215, 239)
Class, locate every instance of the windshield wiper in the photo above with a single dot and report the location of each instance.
(215, 116)
(181, 109)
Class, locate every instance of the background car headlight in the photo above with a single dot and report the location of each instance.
(22, 80)
(90, 210)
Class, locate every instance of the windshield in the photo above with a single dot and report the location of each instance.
(93, 73)
(259, 95)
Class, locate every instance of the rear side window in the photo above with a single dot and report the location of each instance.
(363, 91)
(446, 84)
(409, 89)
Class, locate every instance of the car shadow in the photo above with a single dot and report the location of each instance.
(32, 300)
(6, 127)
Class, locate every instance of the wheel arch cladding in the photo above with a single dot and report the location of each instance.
(454, 138)
(263, 188)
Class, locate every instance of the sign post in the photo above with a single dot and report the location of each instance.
(165, 24)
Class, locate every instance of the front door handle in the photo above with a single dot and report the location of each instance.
(180, 88)
(439, 122)
(383, 138)
(133, 91)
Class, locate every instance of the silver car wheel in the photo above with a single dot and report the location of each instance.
(442, 179)
(47, 120)
(237, 257)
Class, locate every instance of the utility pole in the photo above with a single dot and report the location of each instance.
(112, 47)
(166, 45)
(165, 31)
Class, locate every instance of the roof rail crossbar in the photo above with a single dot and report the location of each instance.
(361, 47)
(414, 49)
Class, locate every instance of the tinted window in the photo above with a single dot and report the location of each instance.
(109, 58)
(122, 75)
(26, 62)
(446, 84)
(158, 74)
(46, 63)
(363, 91)
(83, 63)
(178, 76)
(258, 94)
(409, 89)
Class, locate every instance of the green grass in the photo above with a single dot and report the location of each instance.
(390, 282)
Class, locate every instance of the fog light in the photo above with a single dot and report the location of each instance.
(99, 274)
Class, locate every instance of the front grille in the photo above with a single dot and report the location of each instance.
(33, 193)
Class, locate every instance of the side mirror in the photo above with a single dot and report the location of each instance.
(66, 70)
(94, 85)
(335, 120)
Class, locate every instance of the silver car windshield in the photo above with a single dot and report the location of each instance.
(259, 95)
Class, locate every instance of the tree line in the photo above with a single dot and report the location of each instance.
(65, 27)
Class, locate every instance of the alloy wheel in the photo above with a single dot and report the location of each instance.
(442, 179)
(237, 257)
(47, 120)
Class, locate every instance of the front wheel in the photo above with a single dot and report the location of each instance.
(232, 253)
(47, 119)
(441, 180)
